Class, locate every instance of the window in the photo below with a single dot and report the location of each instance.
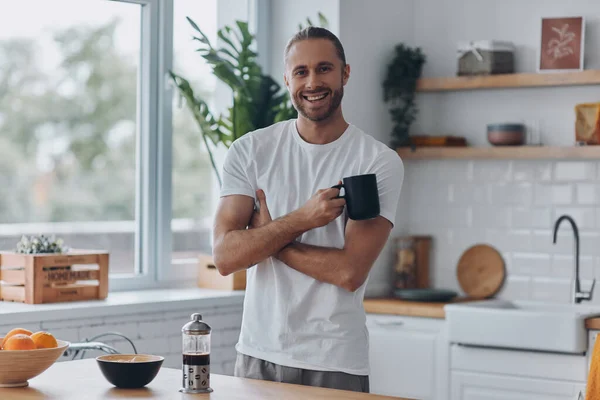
(92, 147)
(194, 185)
(68, 84)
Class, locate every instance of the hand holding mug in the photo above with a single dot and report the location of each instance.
(323, 207)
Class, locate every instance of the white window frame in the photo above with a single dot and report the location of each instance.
(153, 244)
(149, 193)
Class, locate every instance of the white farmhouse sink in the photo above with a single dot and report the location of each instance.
(520, 325)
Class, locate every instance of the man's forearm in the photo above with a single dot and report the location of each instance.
(325, 264)
(240, 249)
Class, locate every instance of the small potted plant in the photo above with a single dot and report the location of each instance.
(41, 269)
(40, 244)
(399, 89)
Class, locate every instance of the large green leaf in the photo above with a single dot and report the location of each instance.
(257, 99)
(247, 37)
(223, 34)
(203, 39)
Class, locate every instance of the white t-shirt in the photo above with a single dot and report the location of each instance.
(290, 318)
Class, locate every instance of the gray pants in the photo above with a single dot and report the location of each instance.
(254, 368)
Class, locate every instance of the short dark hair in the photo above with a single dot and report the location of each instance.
(314, 32)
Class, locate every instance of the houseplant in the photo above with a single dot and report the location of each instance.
(257, 99)
(399, 89)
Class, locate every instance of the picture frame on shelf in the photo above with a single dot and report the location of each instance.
(562, 44)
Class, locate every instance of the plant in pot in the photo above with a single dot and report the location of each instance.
(399, 89)
(42, 244)
(257, 99)
(257, 102)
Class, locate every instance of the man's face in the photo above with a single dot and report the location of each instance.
(315, 78)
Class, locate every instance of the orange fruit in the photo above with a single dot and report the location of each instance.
(44, 340)
(19, 341)
(13, 332)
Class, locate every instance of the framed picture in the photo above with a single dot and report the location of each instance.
(561, 44)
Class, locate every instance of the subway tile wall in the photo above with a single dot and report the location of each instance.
(511, 205)
(156, 333)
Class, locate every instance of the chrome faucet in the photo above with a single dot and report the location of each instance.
(578, 295)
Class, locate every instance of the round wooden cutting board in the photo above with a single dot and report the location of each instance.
(481, 271)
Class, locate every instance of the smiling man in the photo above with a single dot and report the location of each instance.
(279, 218)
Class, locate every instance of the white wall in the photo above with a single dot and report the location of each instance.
(369, 30)
(285, 17)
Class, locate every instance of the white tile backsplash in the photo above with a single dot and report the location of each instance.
(457, 171)
(563, 266)
(511, 205)
(465, 193)
(588, 193)
(511, 194)
(546, 194)
(574, 171)
(531, 264)
(491, 171)
(532, 171)
(516, 287)
(527, 217)
(491, 217)
(551, 289)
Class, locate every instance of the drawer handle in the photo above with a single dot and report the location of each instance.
(389, 323)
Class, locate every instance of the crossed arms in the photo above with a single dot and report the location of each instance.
(236, 248)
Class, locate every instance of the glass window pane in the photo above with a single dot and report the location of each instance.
(193, 180)
(68, 100)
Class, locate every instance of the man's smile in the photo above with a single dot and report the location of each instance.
(315, 98)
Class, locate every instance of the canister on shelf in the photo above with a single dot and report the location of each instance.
(485, 57)
(412, 262)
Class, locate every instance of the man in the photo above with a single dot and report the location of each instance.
(303, 319)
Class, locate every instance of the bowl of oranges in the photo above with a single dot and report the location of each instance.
(25, 355)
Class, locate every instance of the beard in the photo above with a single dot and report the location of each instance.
(323, 113)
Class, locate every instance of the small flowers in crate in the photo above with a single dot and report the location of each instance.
(40, 244)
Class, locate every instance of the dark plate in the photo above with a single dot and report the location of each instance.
(437, 295)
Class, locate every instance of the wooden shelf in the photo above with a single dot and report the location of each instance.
(501, 153)
(577, 78)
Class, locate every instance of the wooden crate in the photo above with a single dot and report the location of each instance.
(210, 278)
(53, 278)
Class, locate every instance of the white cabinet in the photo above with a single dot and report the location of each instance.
(479, 386)
(408, 357)
(479, 373)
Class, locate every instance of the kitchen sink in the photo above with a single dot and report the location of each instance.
(520, 325)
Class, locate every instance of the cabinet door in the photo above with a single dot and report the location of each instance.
(475, 386)
(404, 357)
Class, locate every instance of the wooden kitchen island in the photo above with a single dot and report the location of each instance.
(82, 380)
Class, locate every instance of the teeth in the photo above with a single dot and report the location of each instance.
(313, 98)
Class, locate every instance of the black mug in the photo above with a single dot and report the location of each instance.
(362, 196)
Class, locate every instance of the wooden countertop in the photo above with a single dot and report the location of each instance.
(82, 379)
(408, 308)
(593, 323)
(431, 310)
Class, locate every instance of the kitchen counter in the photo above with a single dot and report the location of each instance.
(82, 379)
(593, 323)
(408, 308)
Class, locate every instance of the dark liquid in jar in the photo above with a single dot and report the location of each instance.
(196, 359)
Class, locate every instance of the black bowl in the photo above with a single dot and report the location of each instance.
(130, 370)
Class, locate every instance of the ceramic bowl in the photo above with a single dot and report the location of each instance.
(129, 370)
(506, 134)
